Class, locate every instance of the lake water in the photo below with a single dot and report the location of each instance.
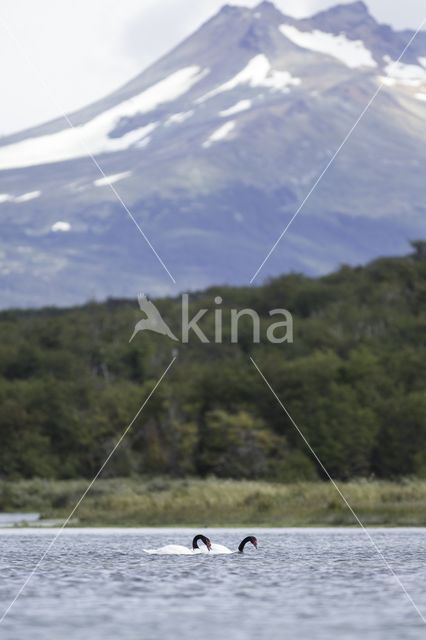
(300, 584)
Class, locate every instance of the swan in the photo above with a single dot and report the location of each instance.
(178, 550)
(217, 549)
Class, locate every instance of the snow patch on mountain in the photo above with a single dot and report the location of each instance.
(257, 73)
(242, 105)
(420, 96)
(25, 197)
(352, 53)
(93, 137)
(411, 75)
(220, 134)
(60, 226)
(144, 142)
(178, 118)
(116, 177)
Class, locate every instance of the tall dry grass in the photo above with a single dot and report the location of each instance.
(213, 502)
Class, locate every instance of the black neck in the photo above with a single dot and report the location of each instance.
(243, 543)
(197, 539)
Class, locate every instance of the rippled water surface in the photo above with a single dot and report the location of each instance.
(309, 584)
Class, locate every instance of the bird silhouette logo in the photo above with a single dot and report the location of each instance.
(153, 321)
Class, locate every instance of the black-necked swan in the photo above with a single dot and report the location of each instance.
(177, 549)
(219, 548)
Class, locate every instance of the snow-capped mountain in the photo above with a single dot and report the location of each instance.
(212, 149)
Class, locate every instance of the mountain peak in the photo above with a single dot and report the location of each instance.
(354, 16)
(265, 4)
(231, 8)
(357, 10)
(358, 6)
(266, 7)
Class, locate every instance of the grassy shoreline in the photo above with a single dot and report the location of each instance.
(212, 502)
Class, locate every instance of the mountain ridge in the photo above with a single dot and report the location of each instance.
(124, 91)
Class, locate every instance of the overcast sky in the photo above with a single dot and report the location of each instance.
(63, 55)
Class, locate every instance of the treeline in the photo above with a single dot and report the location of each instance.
(353, 380)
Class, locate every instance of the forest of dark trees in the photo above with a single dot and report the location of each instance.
(353, 380)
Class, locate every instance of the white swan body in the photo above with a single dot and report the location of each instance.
(174, 550)
(179, 550)
(218, 549)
